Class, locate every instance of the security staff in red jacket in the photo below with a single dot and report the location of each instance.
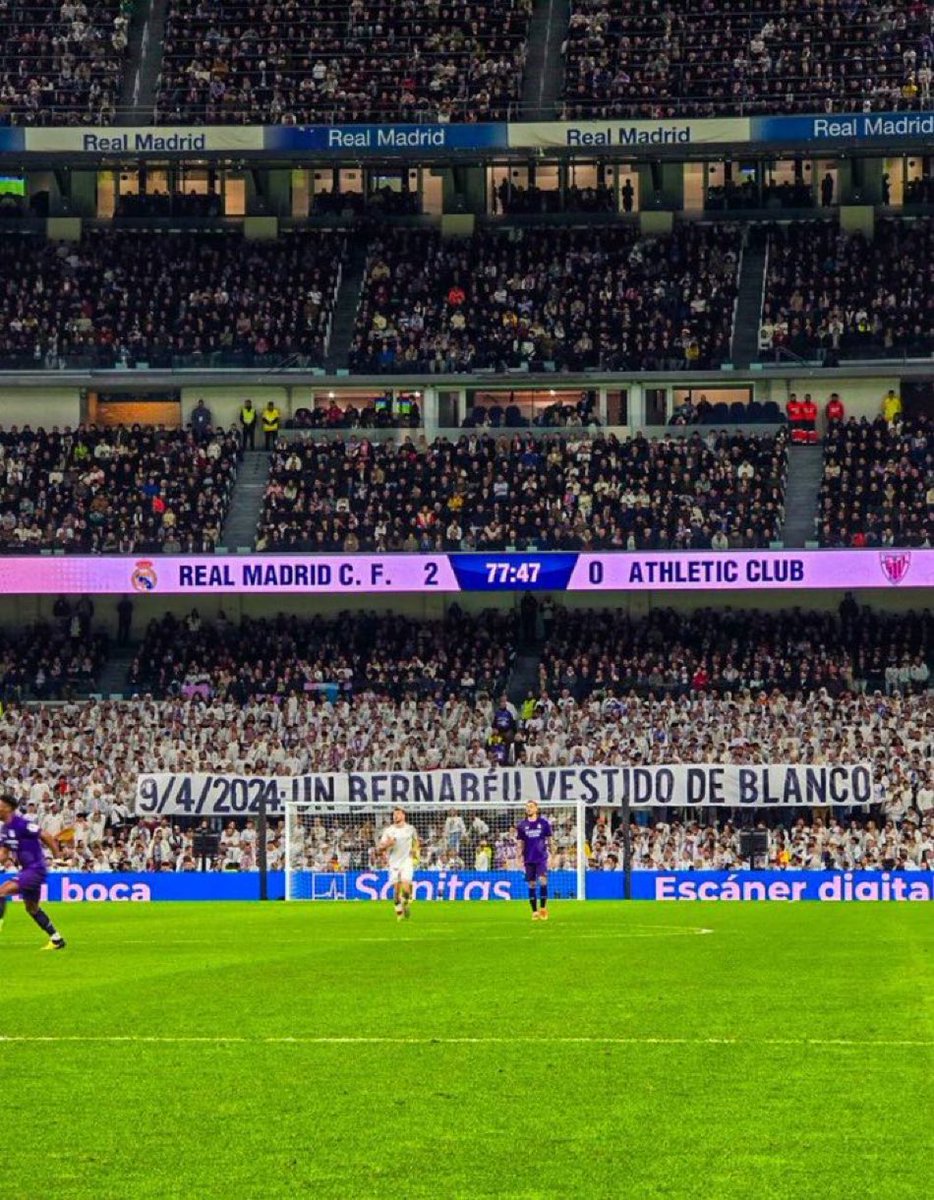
(793, 411)
(809, 419)
(834, 410)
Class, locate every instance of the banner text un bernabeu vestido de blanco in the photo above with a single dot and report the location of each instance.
(703, 785)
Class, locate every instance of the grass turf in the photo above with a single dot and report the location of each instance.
(775, 1109)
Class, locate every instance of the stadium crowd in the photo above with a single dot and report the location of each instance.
(61, 61)
(123, 490)
(119, 297)
(169, 204)
(342, 61)
(577, 298)
(878, 484)
(383, 410)
(389, 655)
(515, 200)
(485, 840)
(748, 194)
(53, 660)
(841, 296)
(703, 59)
(720, 491)
(920, 191)
(76, 767)
(721, 650)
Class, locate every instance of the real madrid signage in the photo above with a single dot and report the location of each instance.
(606, 134)
(437, 139)
(146, 140)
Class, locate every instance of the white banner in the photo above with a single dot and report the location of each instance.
(682, 785)
(602, 135)
(159, 139)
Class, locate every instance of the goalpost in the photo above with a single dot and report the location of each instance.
(467, 852)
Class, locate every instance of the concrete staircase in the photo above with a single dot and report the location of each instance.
(347, 303)
(114, 678)
(745, 346)
(247, 503)
(544, 70)
(805, 468)
(524, 676)
(144, 62)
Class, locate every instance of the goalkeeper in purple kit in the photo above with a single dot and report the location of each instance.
(22, 839)
(534, 834)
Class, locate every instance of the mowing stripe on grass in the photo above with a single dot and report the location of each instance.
(584, 1039)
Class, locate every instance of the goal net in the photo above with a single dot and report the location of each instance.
(465, 853)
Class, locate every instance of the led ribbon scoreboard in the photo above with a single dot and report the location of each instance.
(365, 574)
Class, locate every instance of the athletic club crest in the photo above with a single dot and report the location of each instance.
(144, 577)
(895, 565)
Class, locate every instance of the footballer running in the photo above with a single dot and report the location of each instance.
(534, 834)
(401, 842)
(22, 840)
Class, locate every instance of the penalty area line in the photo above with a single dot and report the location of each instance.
(387, 1040)
(436, 935)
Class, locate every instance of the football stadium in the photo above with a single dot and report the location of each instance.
(467, 599)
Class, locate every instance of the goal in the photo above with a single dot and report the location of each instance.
(466, 853)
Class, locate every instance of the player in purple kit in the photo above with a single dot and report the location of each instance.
(22, 839)
(534, 834)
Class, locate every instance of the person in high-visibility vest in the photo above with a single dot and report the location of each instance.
(891, 405)
(271, 420)
(248, 424)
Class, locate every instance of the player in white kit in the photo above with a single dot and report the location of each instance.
(401, 842)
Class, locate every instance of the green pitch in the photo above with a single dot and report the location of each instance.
(616, 1051)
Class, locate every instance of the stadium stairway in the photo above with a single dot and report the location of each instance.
(544, 70)
(247, 502)
(114, 679)
(347, 303)
(805, 468)
(524, 677)
(745, 345)
(144, 62)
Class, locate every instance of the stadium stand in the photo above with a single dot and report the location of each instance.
(165, 204)
(342, 61)
(159, 298)
(136, 490)
(53, 660)
(683, 844)
(61, 61)
(835, 294)
(515, 200)
(704, 59)
(576, 299)
(748, 194)
(380, 411)
(920, 191)
(48, 751)
(560, 415)
(387, 655)
(878, 484)
(723, 651)
(486, 493)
